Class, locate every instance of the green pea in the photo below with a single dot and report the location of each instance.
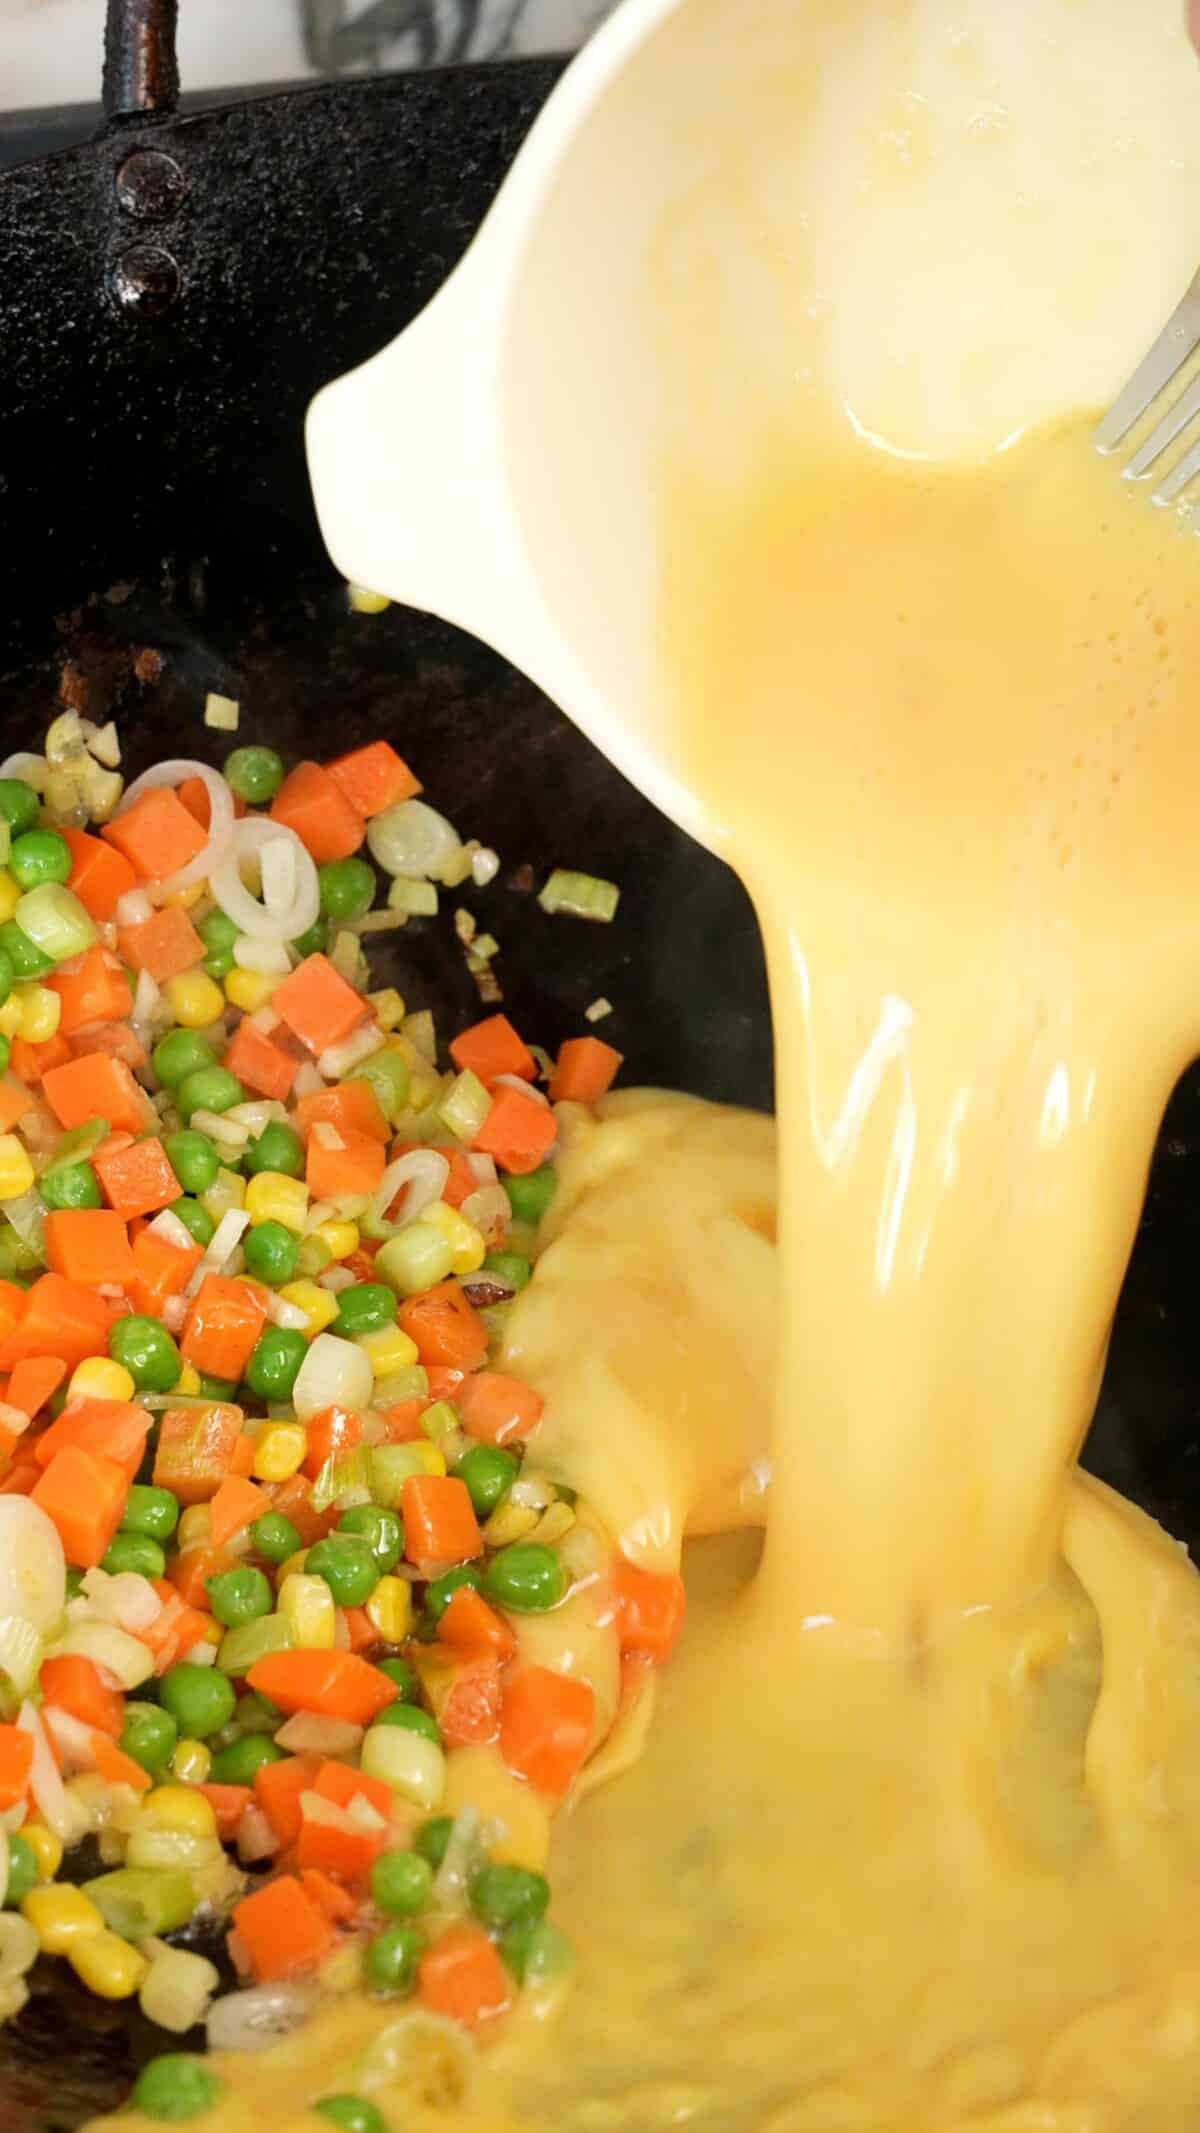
(147, 1351)
(7, 975)
(381, 1530)
(237, 1764)
(19, 805)
(23, 1872)
(199, 1699)
(240, 1595)
(530, 1196)
(180, 1053)
(134, 1552)
(401, 1883)
(399, 1671)
(150, 1510)
(526, 1578)
(347, 1565)
(433, 1838)
(272, 1253)
(216, 1388)
(347, 888)
(254, 774)
(175, 2086)
(255, 1714)
(440, 1591)
(489, 1473)
(275, 1361)
(25, 956)
(536, 1952)
(505, 1895)
(196, 1220)
(274, 1537)
(365, 1308)
(75, 1185)
(410, 1718)
(512, 1267)
(390, 1962)
(352, 2113)
(278, 1147)
(37, 856)
(193, 1158)
(149, 1736)
(209, 1089)
(315, 941)
(218, 933)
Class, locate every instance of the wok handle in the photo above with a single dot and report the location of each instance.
(141, 71)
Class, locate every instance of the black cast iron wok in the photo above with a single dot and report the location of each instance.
(170, 297)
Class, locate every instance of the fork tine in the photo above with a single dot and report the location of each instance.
(1177, 341)
(1172, 486)
(1176, 419)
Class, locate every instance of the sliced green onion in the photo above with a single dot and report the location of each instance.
(414, 839)
(391, 1465)
(441, 1422)
(221, 712)
(339, 1476)
(138, 1902)
(415, 899)
(465, 1106)
(420, 1031)
(411, 1383)
(77, 1145)
(243, 1647)
(410, 1262)
(580, 896)
(53, 918)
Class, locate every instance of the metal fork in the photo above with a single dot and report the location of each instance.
(1157, 371)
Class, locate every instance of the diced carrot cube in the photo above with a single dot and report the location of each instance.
(235, 1506)
(493, 1047)
(157, 835)
(330, 1433)
(351, 1106)
(357, 1166)
(546, 1727)
(222, 1326)
(228, 1802)
(462, 1978)
(96, 990)
(262, 1066)
(89, 1245)
(84, 1496)
(497, 1409)
(76, 1685)
(33, 1382)
(97, 1086)
(281, 1929)
(518, 1131)
(15, 1101)
(60, 1318)
(469, 1625)
(99, 875)
(445, 1327)
(161, 1269)
(318, 1005)
(195, 1450)
(373, 778)
(114, 1429)
(277, 1790)
(312, 803)
(440, 1525)
(164, 945)
(32, 1062)
(585, 1071)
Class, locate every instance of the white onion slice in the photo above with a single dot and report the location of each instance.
(72, 1739)
(490, 1211)
(134, 908)
(256, 1839)
(33, 1570)
(172, 1230)
(311, 1733)
(250, 838)
(413, 839)
(282, 1313)
(32, 768)
(279, 881)
(267, 958)
(220, 818)
(222, 1244)
(254, 2020)
(484, 1166)
(423, 1172)
(45, 1784)
(147, 999)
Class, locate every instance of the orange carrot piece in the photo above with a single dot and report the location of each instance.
(15, 1101)
(61, 1319)
(161, 1269)
(195, 1450)
(493, 1047)
(16, 1765)
(165, 945)
(373, 778)
(339, 1907)
(445, 1327)
(32, 1062)
(463, 1692)
(83, 1495)
(496, 1409)
(338, 1848)
(99, 876)
(97, 990)
(402, 1422)
(352, 1106)
(337, 1684)
(33, 1382)
(585, 1070)
(97, 1086)
(117, 1768)
(89, 1245)
(157, 835)
(241, 1466)
(77, 1685)
(191, 1570)
(137, 1180)
(444, 1383)
(293, 1499)
(262, 1066)
(222, 1326)
(330, 1433)
(312, 803)
(462, 1978)
(281, 1929)
(112, 1429)
(518, 1131)
(235, 1506)
(277, 1790)
(469, 1625)
(651, 1609)
(338, 1782)
(356, 1166)
(546, 1727)
(228, 1802)
(317, 1004)
(440, 1525)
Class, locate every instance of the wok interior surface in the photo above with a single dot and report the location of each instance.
(122, 541)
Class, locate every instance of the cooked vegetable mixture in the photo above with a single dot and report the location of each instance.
(269, 1525)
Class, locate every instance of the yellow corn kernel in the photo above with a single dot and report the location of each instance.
(177, 1807)
(187, 899)
(279, 1451)
(191, 1762)
(338, 1238)
(107, 1965)
(100, 1379)
(390, 1610)
(229, 1191)
(273, 1197)
(318, 1306)
(509, 1522)
(188, 1381)
(61, 1916)
(10, 1017)
(16, 1170)
(251, 989)
(292, 1568)
(389, 1007)
(465, 1241)
(46, 1848)
(307, 1606)
(430, 1460)
(10, 896)
(194, 999)
(388, 1350)
(194, 1529)
(364, 601)
(40, 1010)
